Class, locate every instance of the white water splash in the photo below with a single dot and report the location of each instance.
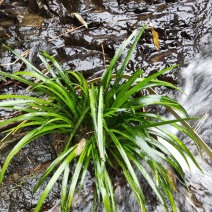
(197, 79)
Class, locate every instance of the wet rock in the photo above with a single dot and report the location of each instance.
(30, 20)
(184, 27)
(33, 6)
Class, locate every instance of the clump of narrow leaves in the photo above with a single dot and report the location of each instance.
(116, 132)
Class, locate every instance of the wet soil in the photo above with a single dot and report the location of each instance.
(184, 28)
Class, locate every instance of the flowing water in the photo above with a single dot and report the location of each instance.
(198, 87)
(197, 84)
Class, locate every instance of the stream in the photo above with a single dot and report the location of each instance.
(185, 36)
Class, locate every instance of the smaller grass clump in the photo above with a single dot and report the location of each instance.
(105, 125)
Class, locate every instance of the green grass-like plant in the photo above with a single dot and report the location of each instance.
(106, 128)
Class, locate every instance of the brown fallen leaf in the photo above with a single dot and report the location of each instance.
(81, 20)
(80, 146)
(155, 36)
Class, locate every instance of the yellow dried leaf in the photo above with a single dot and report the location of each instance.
(155, 37)
(172, 178)
(80, 146)
(80, 19)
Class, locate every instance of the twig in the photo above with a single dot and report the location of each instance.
(9, 126)
(103, 53)
(65, 33)
(12, 140)
(45, 72)
(29, 160)
(11, 133)
(119, 188)
(201, 121)
(25, 54)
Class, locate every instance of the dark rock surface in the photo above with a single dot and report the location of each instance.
(184, 27)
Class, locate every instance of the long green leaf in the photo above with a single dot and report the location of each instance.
(164, 183)
(155, 100)
(150, 181)
(101, 188)
(126, 86)
(100, 133)
(48, 67)
(75, 177)
(130, 169)
(86, 164)
(54, 178)
(106, 77)
(52, 166)
(62, 73)
(127, 58)
(139, 86)
(77, 125)
(137, 192)
(97, 117)
(27, 98)
(23, 59)
(64, 188)
(24, 141)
